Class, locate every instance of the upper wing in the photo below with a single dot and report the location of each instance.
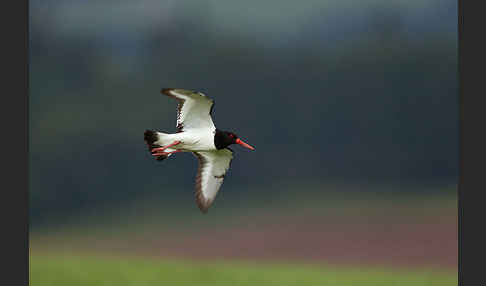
(194, 109)
(210, 175)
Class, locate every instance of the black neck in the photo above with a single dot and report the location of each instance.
(221, 139)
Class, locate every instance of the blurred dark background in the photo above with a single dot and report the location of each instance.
(348, 92)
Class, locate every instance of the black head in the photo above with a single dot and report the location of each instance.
(223, 139)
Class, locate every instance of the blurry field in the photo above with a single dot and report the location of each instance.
(341, 238)
(51, 270)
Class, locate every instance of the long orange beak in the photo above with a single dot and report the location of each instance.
(240, 142)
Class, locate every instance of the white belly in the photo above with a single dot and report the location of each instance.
(195, 140)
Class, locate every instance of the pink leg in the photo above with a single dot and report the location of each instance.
(165, 147)
(160, 151)
(165, 153)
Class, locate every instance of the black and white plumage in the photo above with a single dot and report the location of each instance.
(197, 133)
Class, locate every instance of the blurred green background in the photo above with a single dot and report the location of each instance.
(352, 108)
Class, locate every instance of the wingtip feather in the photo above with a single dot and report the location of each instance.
(166, 90)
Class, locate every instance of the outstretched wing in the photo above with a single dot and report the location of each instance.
(194, 109)
(213, 166)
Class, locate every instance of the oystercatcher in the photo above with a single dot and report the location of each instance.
(196, 133)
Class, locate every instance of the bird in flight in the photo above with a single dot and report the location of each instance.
(196, 133)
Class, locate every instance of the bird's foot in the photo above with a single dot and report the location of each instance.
(160, 150)
(164, 147)
(162, 153)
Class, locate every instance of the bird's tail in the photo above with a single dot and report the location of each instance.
(155, 139)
